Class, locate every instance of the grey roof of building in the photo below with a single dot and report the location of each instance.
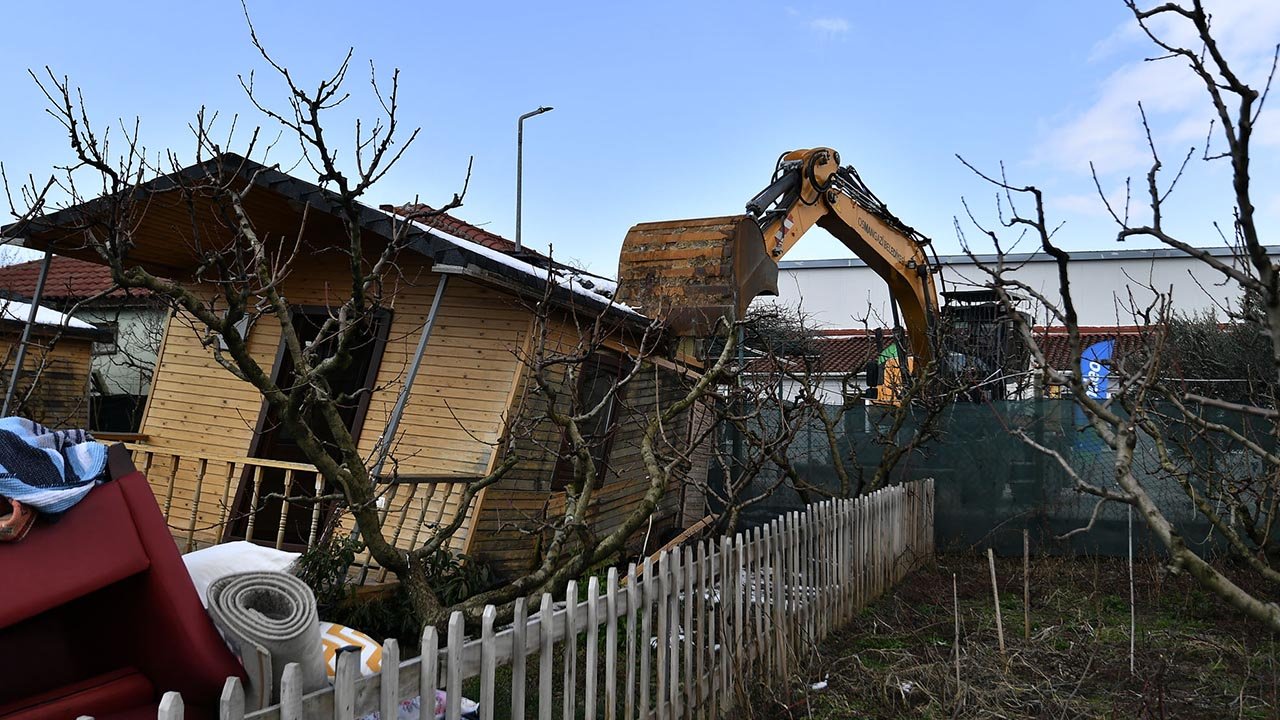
(529, 274)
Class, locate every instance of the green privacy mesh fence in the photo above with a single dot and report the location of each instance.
(991, 485)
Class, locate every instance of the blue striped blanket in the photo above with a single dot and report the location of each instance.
(49, 470)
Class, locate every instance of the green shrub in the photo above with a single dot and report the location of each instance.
(325, 568)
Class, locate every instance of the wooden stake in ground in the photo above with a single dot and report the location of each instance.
(995, 594)
(1133, 622)
(955, 598)
(1026, 584)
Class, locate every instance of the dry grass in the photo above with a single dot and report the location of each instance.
(1194, 657)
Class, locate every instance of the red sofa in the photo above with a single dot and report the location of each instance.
(98, 615)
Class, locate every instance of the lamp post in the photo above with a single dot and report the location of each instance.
(520, 165)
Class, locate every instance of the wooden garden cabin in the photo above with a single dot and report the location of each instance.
(212, 457)
(53, 385)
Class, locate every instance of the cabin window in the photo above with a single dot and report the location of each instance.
(273, 441)
(596, 380)
(109, 346)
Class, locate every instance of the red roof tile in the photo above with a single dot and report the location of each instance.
(452, 225)
(838, 352)
(69, 279)
(842, 352)
(1056, 344)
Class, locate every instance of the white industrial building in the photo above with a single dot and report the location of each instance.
(841, 293)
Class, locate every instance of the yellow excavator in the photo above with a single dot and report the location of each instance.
(693, 272)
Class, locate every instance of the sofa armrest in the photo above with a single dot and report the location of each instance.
(181, 649)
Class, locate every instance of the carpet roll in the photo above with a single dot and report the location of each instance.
(272, 613)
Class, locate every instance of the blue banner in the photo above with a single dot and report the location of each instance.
(1094, 370)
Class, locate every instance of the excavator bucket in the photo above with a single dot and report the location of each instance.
(690, 273)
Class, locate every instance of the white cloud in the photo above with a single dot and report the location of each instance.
(830, 26)
(1108, 131)
(1088, 205)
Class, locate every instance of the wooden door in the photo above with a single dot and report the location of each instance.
(274, 441)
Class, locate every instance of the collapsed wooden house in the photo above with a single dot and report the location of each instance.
(217, 464)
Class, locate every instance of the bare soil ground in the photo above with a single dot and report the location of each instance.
(1193, 656)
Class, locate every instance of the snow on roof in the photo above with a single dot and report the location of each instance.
(13, 310)
(600, 290)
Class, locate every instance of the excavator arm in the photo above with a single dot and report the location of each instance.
(692, 272)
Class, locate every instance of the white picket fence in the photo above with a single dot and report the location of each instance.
(690, 636)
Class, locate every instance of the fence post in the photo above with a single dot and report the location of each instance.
(589, 666)
(723, 663)
(488, 662)
(690, 575)
(453, 669)
(570, 679)
(646, 632)
(660, 665)
(389, 693)
(778, 599)
(171, 707)
(675, 583)
(429, 670)
(344, 685)
(519, 653)
(633, 609)
(810, 524)
(759, 555)
(291, 692)
(739, 612)
(611, 646)
(547, 628)
(231, 702)
(702, 699)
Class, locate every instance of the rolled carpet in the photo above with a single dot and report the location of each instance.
(270, 618)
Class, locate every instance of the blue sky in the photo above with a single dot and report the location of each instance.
(666, 110)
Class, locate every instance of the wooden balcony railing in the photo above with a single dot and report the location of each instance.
(203, 497)
(209, 499)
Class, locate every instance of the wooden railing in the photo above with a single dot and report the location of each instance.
(197, 494)
(690, 635)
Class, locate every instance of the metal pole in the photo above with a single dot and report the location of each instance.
(520, 165)
(26, 334)
(393, 422)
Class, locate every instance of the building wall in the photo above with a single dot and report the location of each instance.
(840, 293)
(60, 373)
(127, 371)
(450, 426)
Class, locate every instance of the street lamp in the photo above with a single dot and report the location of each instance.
(520, 164)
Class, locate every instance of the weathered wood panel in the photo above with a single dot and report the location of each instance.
(60, 371)
(506, 526)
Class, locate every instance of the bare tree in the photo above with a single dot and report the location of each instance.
(1221, 452)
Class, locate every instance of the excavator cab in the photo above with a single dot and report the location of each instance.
(978, 341)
